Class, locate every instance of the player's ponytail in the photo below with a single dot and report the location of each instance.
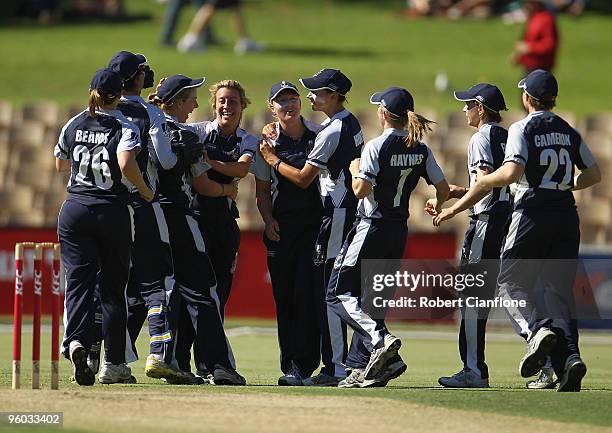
(417, 126)
(153, 98)
(95, 100)
(100, 100)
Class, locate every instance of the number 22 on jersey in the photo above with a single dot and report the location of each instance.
(552, 159)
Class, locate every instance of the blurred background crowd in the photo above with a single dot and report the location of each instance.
(510, 10)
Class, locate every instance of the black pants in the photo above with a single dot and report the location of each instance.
(96, 238)
(542, 246)
(151, 280)
(195, 296)
(222, 237)
(294, 286)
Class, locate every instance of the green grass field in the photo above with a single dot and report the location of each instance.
(414, 402)
(367, 40)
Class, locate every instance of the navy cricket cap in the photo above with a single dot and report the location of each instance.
(329, 79)
(279, 87)
(540, 84)
(126, 63)
(487, 94)
(106, 81)
(174, 84)
(395, 100)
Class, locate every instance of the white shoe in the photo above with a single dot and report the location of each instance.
(538, 348)
(466, 378)
(575, 369)
(353, 380)
(546, 380)
(248, 45)
(190, 43)
(80, 370)
(380, 356)
(115, 373)
(391, 371)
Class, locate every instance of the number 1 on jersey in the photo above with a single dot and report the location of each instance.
(400, 186)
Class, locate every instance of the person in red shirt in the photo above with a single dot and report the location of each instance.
(537, 48)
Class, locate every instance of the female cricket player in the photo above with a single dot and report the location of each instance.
(99, 147)
(292, 216)
(230, 151)
(390, 167)
(485, 234)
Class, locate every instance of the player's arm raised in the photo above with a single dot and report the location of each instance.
(469, 199)
(302, 178)
(239, 168)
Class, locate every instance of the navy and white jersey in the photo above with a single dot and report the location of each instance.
(394, 170)
(154, 136)
(292, 204)
(336, 146)
(549, 149)
(224, 149)
(486, 150)
(175, 184)
(92, 145)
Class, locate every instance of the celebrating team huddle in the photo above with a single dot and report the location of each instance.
(148, 229)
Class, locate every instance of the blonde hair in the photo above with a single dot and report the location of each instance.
(230, 84)
(97, 100)
(416, 125)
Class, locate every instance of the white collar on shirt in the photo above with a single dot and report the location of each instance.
(114, 113)
(240, 133)
(339, 115)
(171, 118)
(487, 124)
(395, 131)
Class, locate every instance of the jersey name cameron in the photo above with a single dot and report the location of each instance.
(552, 139)
(403, 160)
(93, 137)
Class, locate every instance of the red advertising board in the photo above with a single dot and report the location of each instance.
(251, 292)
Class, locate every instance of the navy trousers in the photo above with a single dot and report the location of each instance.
(200, 322)
(540, 255)
(368, 239)
(332, 233)
(96, 238)
(294, 286)
(222, 238)
(151, 281)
